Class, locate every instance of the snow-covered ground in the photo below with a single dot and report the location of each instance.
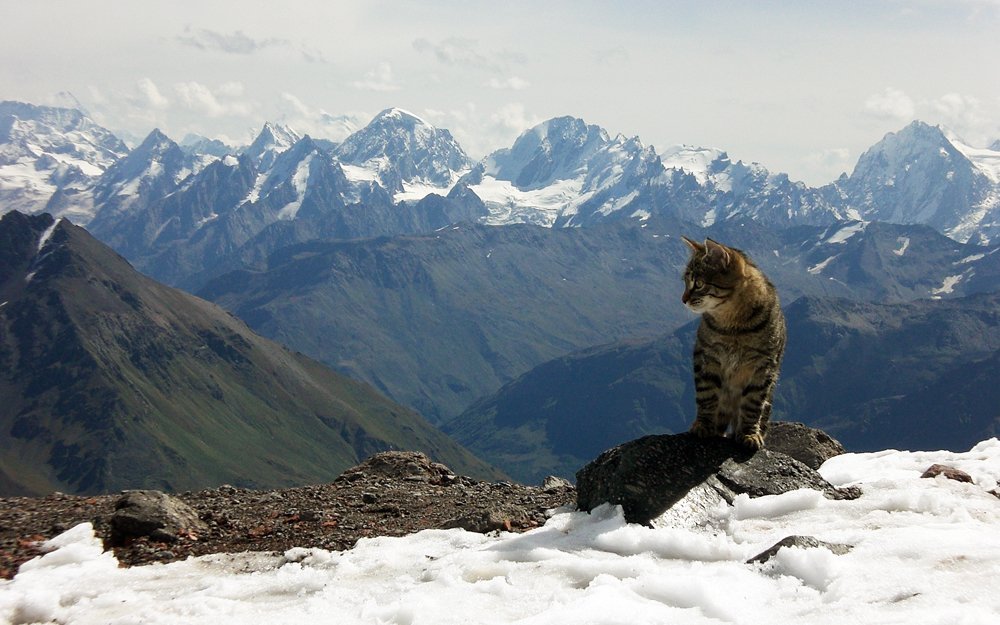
(924, 551)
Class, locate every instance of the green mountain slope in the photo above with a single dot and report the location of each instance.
(917, 375)
(110, 380)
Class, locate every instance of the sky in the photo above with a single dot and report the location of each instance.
(802, 87)
(921, 551)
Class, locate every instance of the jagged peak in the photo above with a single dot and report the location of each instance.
(274, 136)
(156, 141)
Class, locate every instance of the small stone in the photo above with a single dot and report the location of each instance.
(369, 497)
(949, 472)
(802, 542)
(553, 483)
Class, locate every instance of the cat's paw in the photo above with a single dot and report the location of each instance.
(753, 441)
(701, 429)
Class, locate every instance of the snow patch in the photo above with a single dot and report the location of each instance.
(42, 240)
(300, 182)
(971, 259)
(845, 233)
(948, 286)
(904, 242)
(921, 551)
(819, 267)
(508, 204)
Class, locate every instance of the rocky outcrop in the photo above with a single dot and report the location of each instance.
(810, 446)
(649, 475)
(412, 466)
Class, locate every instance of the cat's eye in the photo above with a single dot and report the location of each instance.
(699, 283)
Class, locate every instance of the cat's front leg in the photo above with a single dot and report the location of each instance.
(755, 412)
(707, 385)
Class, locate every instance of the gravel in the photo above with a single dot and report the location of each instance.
(391, 494)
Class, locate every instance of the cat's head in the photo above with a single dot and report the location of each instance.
(712, 275)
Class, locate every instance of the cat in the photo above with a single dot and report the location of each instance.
(739, 345)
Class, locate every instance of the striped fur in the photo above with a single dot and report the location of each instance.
(739, 345)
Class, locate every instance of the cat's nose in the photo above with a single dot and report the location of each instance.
(685, 297)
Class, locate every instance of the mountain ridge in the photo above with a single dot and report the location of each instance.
(113, 381)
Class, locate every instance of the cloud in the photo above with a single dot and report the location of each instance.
(198, 98)
(892, 104)
(611, 56)
(237, 42)
(378, 79)
(465, 53)
(317, 122)
(833, 159)
(480, 133)
(513, 83)
(968, 116)
(149, 95)
(456, 51)
(514, 118)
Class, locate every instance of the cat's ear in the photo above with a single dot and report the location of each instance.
(718, 253)
(694, 245)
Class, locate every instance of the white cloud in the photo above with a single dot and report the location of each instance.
(150, 95)
(316, 122)
(236, 42)
(892, 104)
(480, 133)
(829, 160)
(968, 116)
(514, 118)
(378, 79)
(513, 83)
(200, 99)
(457, 51)
(232, 89)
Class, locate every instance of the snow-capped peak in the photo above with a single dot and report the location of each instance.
(272, 140)
(556, 149)
(398, 147)
(691, 159)
(45, 149)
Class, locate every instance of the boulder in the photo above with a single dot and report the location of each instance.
(153, 514)
(649, 475)
(810, 446)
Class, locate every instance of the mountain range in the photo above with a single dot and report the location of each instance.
(111, 380)
(562, 172)
(394, 258)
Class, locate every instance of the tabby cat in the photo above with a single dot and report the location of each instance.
(740, 341)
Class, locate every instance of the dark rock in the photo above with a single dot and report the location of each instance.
(367, 497)
(803, 542)
(949, 472)
(154, 514)
(810, 446)
(649, 475)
